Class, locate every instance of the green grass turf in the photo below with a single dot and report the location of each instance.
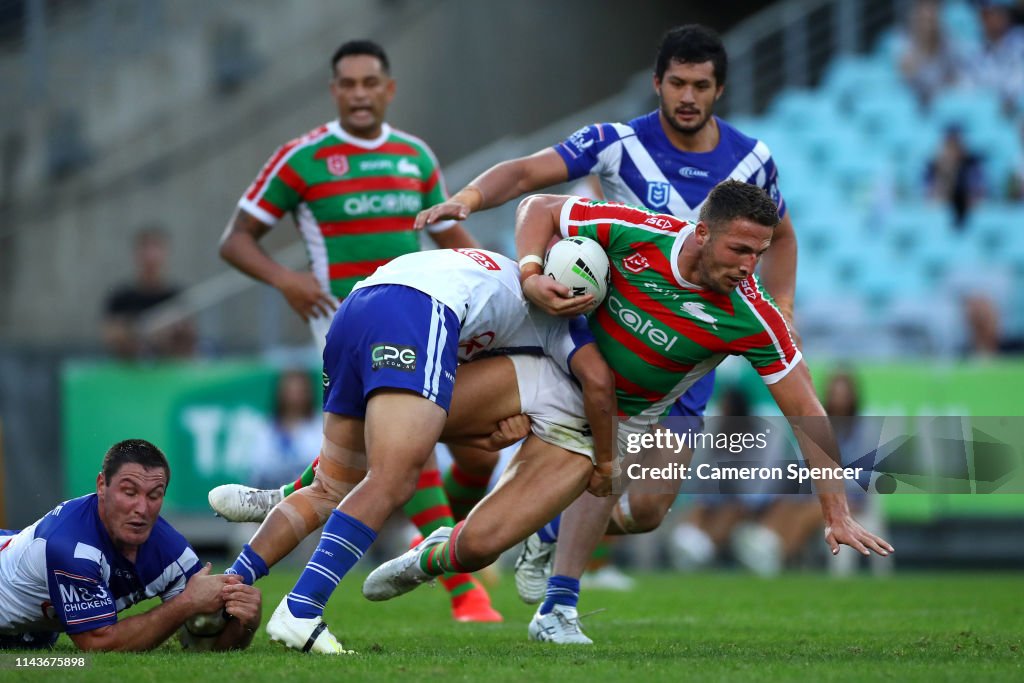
(725, 627)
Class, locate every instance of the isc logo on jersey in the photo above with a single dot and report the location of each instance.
(641, 325)
(390, 203)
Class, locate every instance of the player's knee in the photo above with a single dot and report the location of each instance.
(648, 515)
(640, 514)
(394, 488)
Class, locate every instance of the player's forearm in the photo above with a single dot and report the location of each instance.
(778, 267)
(246, 255)
(599, 403)
(138, 633)
(495, 186)
(536, 225)
(821, 452)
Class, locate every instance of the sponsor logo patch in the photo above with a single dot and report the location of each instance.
(660, 222)
(337, 164)
(477, 343)
(580, 140)
(395, 356)
(748, 290)
(481, 258)
(691, 172)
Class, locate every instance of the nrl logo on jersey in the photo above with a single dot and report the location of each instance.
(337, 164)
(657, 194)
(406, 167)
(696, 309)
(636, 263)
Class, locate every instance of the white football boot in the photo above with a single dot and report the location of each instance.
(304, 635)
(237, 503)
(402, 574)
(533, 569)
(561, 625)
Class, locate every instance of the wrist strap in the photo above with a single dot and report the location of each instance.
(531, 258)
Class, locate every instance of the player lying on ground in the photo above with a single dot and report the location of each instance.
(91, 557)
(390, 366)
(682, 297)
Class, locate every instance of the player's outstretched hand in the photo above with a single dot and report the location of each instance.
(510, 431)
(203, 590)
(849, 532)
(449, 210)
(243, 603)
(554, 298)
(600, 483)
(306, 297)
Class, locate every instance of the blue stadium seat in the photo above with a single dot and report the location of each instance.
(909, 226)
(995, 228)
(972, 109)
(848, 77)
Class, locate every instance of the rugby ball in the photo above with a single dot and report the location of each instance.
(199, 633)
(580, 264)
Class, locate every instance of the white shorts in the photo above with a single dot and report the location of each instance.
(554, 404)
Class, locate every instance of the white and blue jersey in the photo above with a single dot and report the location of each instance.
(638, 165)
(64, 574)
(409, 325)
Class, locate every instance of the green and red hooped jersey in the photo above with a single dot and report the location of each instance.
(353, 200)
(658, 332)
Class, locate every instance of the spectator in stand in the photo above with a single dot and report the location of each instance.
(956, 176)
(998, 63)
(280, 450)
(928, 60)
(985, 329)
(123, 309)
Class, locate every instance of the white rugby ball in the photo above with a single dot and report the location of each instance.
(201, 631)
(580, 264)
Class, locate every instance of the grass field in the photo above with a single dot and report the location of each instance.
(729, 627)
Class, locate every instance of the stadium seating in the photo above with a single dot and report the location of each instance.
(852, 154)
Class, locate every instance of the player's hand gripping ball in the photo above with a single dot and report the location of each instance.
(580, 264)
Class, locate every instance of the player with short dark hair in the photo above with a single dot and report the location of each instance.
(92, 557)
(668, 161)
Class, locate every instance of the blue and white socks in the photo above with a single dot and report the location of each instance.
(249, 566)
(562, 590)
(342, 543)
(549, 532)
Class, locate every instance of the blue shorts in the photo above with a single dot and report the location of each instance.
(389, 336)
